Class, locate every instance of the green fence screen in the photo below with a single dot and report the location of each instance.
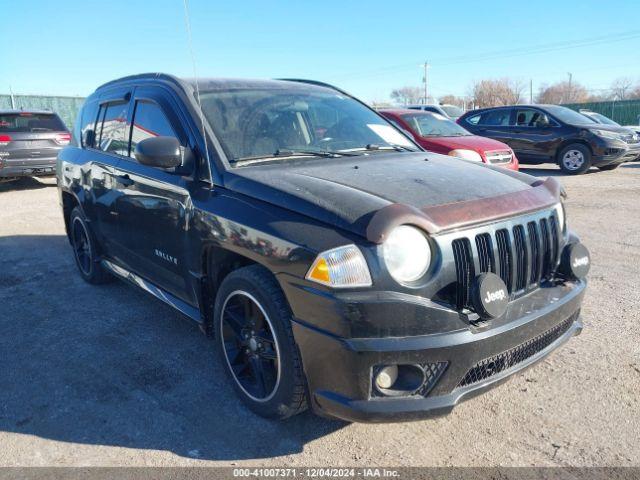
(625, 112)
(66, 107)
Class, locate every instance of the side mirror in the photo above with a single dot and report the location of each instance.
(89, 138)
(160, 152)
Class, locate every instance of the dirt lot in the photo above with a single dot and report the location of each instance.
(109, 376)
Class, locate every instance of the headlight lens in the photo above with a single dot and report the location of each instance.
(341, 267)
(466, 154)
(561, 216)
(406, 253)
(607, 134)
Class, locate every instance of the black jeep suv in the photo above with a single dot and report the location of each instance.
(30, 142)
(336, 265)
(555, 134)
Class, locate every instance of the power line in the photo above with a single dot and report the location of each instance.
(509, 53)
(543, 48)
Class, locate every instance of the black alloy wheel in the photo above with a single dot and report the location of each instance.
(250, 346)
(85, 249)
(253, 331)
(81, 246)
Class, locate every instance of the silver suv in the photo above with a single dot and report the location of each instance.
(30, 142)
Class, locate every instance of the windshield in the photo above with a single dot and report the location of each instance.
(434, 125)
(569, 116)
(453, 111)
(31, 122)
(253, 123)
(602, 119)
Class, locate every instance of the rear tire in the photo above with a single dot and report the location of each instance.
(85, 250)
(574, 159)
(607, 168)
(252, 322)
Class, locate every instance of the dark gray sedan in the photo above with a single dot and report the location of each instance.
(30, 142)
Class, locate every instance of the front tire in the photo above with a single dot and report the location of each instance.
(253, 332)
(574, 159)
(85, 250)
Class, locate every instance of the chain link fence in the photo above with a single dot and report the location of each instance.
(625, 112)
(66, 107)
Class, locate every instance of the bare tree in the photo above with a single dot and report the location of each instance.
(496, 92)
(622, 87)
(407, 95)
(635, 94)
(452, 100)
(563, 92)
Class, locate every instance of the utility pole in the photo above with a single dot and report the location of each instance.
(426, 67)
(569, 93)
(531, 90)
(13, 101)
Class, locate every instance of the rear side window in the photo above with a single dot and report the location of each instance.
(499, 118)
(87, 122)
(31, 122)
(527, 117)
(149, 120)
(473, 120)
(111, 128)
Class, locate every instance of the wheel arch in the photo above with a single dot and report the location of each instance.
(572, 141)
(217, 262)
(69, 201)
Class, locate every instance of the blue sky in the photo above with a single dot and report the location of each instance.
(367, 48)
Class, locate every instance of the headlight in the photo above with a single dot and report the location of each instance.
(561, 216)
(341, 267)
(406, 253)
(607, 134)
(466, 154)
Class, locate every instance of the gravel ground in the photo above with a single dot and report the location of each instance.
(109, 376)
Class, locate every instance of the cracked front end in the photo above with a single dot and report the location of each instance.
(404, 350)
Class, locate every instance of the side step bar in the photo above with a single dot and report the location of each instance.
(171, 300)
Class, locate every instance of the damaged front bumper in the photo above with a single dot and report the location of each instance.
(458, 364)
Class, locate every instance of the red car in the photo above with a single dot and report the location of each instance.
(436, 133)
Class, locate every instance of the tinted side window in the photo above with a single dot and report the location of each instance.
(87, 122)
(496, 118)
(149, 121)
(474, 120)
(526, 117)
(112, 132)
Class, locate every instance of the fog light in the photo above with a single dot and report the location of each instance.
(387, 376)
(575, 261)
(489, 296)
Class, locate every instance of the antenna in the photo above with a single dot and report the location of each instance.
(187, 21)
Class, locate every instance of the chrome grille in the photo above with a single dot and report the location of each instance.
(499, 157)
(523, 252)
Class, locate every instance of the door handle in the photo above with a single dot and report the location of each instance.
(125, 180)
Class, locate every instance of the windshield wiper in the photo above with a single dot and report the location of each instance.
(391, 146)
(283, 153)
